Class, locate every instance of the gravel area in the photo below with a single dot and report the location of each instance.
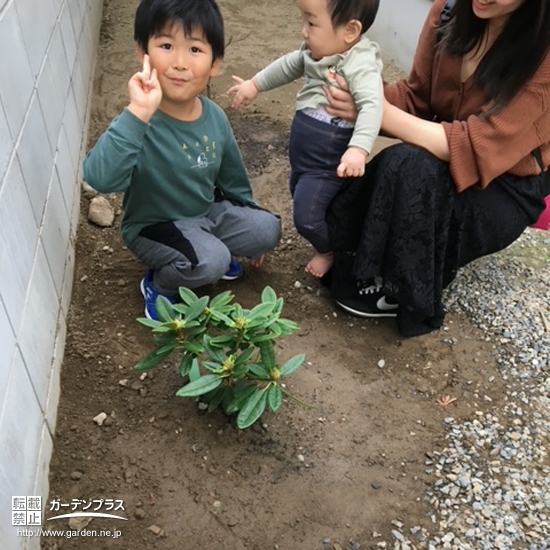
(491, 482)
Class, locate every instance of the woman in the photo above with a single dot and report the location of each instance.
(474, 116)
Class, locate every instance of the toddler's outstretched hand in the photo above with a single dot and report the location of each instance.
(145, 92)
(245, 91)
(352, 163)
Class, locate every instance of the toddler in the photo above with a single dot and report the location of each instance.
(324, 149)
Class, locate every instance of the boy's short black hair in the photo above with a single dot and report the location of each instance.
(343, 11)
(152, 16)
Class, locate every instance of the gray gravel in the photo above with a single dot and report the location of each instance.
(491, 482)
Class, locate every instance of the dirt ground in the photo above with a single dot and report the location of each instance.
(331, 478)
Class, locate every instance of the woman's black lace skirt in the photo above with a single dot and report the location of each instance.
(405, 223)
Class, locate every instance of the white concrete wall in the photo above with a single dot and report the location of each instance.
(48, 50)
(397, 27)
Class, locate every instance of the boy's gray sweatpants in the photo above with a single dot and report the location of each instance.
(196, 252)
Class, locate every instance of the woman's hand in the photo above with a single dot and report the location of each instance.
(145, 92)
(395, 122)
(341, 103)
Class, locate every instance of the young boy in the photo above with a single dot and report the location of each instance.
(324, 149)
(188, 204)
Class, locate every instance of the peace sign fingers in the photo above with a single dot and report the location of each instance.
(146, 70)
(145, 91)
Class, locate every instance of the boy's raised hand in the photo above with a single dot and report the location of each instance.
(245, 91)
(145, 92)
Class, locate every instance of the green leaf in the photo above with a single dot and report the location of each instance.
(259, 371)
(252, 409)
(287, 326)
(195, 332)
(185, 365)
(165, 311)
(196, 310)
(279, 306)
(155, 358)
(164, 328)
(211, 366)
(227, 399)
(221, 341)
(261, 338)
(180, 308)
(219, 316)
(265, 333)
(195, 349)
(166, 347)
(267, 353)
(240, 385)
(261, 310)
(162, 339)
(221, 300)
(206, 397)
(240, 370)
(257, 325)
(148, 322)
(213, 352)
(200, 386)
(193, 324)
(244, 356)
(272, 320)
(268, 295)
(292, 364)
(275, 329)
(238, 311)
(217, 398)
(187, 295)
(274, 397)
(194, 371)
(240, 396)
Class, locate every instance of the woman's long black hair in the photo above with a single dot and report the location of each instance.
(515, 55)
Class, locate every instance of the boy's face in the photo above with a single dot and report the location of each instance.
(321, 37)
(184, 64)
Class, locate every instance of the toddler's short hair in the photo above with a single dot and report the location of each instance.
(343, 11)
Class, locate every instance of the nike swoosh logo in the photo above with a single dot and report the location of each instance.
(384, 306)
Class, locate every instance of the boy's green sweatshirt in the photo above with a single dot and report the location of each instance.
(167, 169)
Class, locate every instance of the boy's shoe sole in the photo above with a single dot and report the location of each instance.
(144, 294)
(234, 272)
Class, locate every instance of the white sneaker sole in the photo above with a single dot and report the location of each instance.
(370, 315)
(142, 288)
(232, 277)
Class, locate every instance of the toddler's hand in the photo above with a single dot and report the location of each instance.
(352, 163)
(145, 92)
(245, 92)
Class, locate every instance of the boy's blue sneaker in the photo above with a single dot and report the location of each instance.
(234, 272)
(150, 294)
